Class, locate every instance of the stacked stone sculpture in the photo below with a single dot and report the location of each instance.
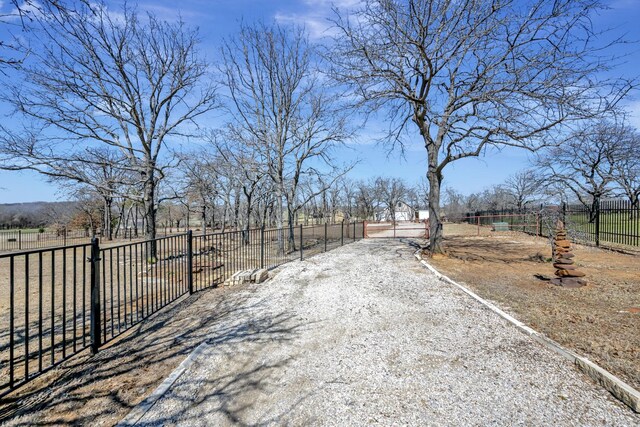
(567, 273)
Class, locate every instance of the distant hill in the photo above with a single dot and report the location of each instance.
(34, 214)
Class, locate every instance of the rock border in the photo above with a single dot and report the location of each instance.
(618, 388)
(140, 410)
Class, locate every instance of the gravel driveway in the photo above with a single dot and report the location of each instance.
(365, 335)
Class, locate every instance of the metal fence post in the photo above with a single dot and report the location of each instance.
(598, 223)
(190, 260)
(342, 233)
(540, 216)
(19, 239)
(95, 331)
(301, 254)
(325, 237)
(262, 246)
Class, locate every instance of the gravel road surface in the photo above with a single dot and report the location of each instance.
(365, 335)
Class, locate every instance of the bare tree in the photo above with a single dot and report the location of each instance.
(348, 195)
(10, 51)
(281, 109)
(390, 192)
(494, 198)
(243, 168)
(12, 47)
(521, 188)
(585, 163)
(98, 168)
(422, 192)
(366, 200)
(453, 204)
(472, 74)
(201, 185)
(101, 79)
(88, 210)
(627, 168)
(473, 202)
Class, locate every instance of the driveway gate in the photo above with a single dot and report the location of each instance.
(397, 229)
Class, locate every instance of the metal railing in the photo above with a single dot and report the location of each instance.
(18, 240)
(607, 223)
(57, 302)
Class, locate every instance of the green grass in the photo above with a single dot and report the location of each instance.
(615, 227)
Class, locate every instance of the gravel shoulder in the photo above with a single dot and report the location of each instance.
(365, 335)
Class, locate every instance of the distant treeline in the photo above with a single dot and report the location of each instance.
(35, 214)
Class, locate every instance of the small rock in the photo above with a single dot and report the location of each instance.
(564, 266)
(569, 273)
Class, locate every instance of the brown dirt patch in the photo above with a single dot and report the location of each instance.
(600, 321)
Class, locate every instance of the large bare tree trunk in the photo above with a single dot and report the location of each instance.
(203, 219)
(280, 219)
(435, 236)
(108, 230)
(291, 239)
(247, 226)
(149, 207)
(593, 210)
(150, 216)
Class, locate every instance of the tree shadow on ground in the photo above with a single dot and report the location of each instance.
(228, 395)
(103, 388)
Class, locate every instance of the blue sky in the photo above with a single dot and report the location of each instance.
(220, 18)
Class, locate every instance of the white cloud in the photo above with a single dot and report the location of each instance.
(316, 19)
(170, 13)
(317, 26)
(26, 8)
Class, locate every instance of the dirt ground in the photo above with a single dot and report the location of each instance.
(100, 390)
(600, 321)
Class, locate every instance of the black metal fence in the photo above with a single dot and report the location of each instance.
(17, 240)
(57, 302)
(610, 222)
(607, 223)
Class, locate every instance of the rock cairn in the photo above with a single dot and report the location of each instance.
(567, 273)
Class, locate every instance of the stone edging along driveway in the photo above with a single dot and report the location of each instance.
(365, 335)
(621, 390)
